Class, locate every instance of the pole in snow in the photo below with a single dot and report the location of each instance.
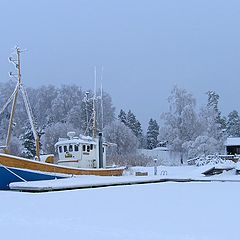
(155, 166)
(100, 143)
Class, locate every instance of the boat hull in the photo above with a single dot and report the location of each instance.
(9, 175)
(31, 170)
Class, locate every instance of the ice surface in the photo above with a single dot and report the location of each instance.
(164, 211)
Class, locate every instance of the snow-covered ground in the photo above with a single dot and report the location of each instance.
(163, 211)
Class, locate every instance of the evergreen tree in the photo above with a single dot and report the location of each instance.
(131, 121)
(233, 124)
(139, 132)
(122, 117)
(134, 124)
(213, 99)
(152, 134)
(28, 142)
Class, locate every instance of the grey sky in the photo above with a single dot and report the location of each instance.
(145, 47)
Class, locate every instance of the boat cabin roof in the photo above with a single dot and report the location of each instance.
(76, 141)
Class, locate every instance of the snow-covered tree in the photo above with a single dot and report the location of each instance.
(212, 124)
(181, 123)
(213, 100)
(152, 134)
(122, 116)
(131, 122)
(126, 142)
(52, 105)
(67, 98)
(86, 114)
(52, 133)
(41, 100)
(202, 145)
(233, 124)
(74, 116)
(29, 150)
(211, 135)
(16, 147)
(105, 110)
(28, 142)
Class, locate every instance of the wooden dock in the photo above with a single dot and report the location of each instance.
(78, 183)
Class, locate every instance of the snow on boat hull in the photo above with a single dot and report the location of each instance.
(31, 170)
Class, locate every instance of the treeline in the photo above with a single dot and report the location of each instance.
(193, 132)
(57, 110)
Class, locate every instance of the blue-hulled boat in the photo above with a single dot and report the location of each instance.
(77, 155)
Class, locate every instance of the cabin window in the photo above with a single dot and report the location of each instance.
(88, 148)
(76, 148)
(103, 149)
(65, 148)
(60, 149)
(84, 148)
(91, 146)
(70, 148)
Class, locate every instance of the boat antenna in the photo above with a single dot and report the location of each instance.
(102, 99)
(94, 133)
(86, 99)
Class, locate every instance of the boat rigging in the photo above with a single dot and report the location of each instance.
(13, 98)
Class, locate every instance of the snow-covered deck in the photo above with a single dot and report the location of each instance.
(192, 174)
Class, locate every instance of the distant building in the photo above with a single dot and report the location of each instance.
(163, 155)
(232, 146)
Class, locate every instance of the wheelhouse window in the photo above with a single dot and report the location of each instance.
(70, 148)
(91, 146)
(65, 148)
(84, 148)
(76, 148)
(60, 149)
(88, 148)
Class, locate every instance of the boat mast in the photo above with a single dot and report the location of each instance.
(19, 86)
(10, 126)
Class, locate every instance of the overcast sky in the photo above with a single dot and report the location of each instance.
(145, 47)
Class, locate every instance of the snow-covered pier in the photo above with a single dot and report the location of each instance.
(84, 182)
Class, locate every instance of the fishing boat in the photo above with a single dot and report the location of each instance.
(77, 155)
